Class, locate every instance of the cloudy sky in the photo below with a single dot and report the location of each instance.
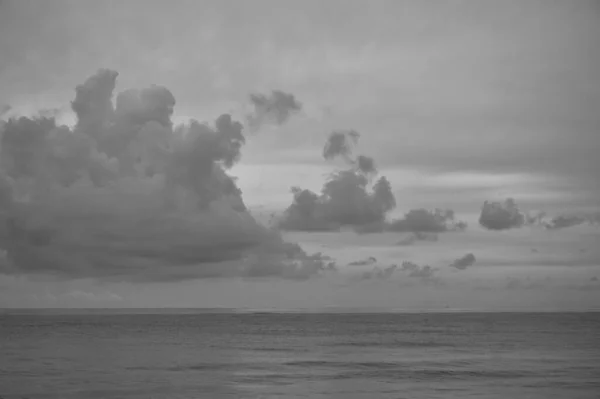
(457, 102)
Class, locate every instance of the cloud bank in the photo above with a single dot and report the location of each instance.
(124, 195)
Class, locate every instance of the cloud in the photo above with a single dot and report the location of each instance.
(569, 220)
(93, 102)
(418, 236)
(275, 108)
(340, 144)
(379, 273)
(365, 262)
(564, 221)
(345, 198)
(423, 220)
(464, 262)
(366, 165)
(124, 195)
(506, 215)
(417, 271)
(501, 215)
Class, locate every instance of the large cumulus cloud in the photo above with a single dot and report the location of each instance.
(124, 195)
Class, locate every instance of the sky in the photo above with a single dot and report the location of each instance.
(455, 102)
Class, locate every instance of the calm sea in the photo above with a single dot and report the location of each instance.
(294, 355)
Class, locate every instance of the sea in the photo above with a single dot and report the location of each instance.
(229, 354)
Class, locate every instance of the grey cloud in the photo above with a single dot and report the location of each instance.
(501, 215)
(340, 143)
(464, 262)
(276, 108)
(22, 144)
(139, 106)
(345, 198)
(507, 215)
(93, 102)
(124, 196)
(366, 165)
(365, 262)
(563, 221)
(379, 273)
(418, 236)
(423, 220)
(418, 271)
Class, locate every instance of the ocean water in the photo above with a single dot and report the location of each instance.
(300, 355)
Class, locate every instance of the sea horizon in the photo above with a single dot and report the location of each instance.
(325, 310)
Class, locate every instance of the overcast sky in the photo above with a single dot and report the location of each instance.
(458, 101)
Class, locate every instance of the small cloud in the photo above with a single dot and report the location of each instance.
(417, 236)
(594, 278)
(275, 108)
(565, 221)
(366, 165)
(427, 221)
(501, 215)
(378, 273)
(365, 262)
(340, 144)
(464, 262)
(415, 270)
